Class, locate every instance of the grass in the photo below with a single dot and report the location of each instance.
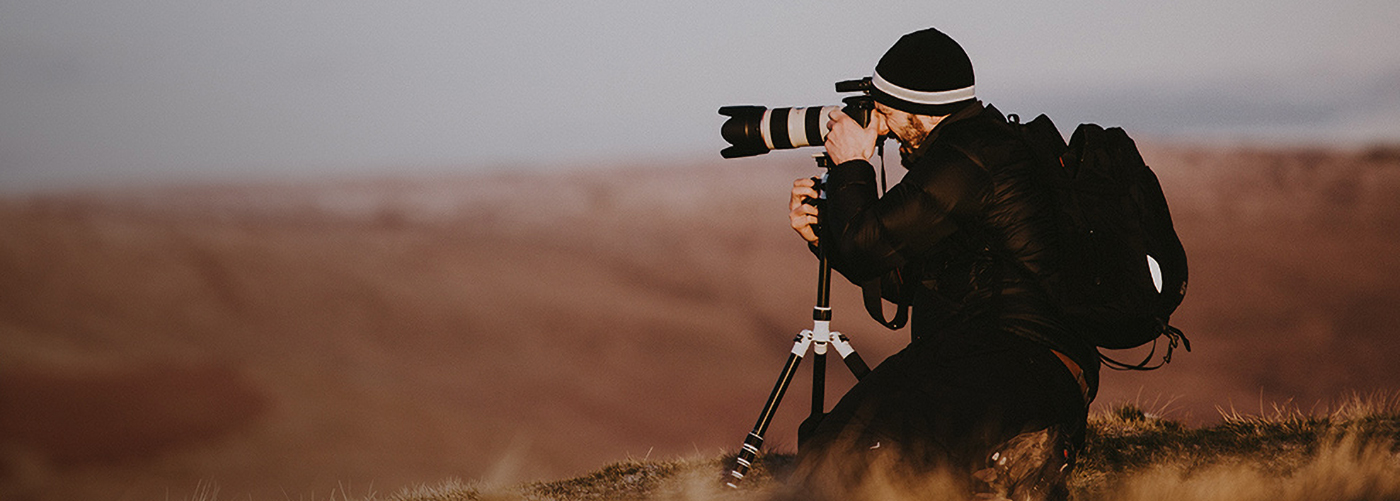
(1345, 453)
(1131, 454)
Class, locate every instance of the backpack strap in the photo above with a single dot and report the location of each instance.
(1174, 337)
(1078, 373)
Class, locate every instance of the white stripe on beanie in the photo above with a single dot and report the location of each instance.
(923, 97)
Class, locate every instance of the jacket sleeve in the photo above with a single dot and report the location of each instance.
(871, 235)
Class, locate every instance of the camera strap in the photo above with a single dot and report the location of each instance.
(870, 291)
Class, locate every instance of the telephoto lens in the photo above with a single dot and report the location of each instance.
(755, 130)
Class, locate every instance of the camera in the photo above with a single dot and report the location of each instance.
(755, 130)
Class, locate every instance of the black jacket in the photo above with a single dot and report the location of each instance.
(966, 234)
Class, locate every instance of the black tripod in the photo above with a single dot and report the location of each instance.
(817, 338)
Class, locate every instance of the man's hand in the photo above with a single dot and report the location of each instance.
(802, 214)
(848, 140)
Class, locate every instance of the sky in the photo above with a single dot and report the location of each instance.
(134, 92)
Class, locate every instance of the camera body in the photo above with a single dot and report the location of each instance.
(755, 130)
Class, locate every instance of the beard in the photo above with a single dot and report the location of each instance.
(906, 153)
(911, 135)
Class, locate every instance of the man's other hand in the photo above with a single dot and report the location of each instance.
(802, 214)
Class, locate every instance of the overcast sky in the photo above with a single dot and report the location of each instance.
(152, 91)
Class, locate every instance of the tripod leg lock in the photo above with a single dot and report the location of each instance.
(803, 341)
(842, 345)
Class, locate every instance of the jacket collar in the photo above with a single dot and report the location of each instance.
(969, 111)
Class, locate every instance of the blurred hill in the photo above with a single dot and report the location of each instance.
(286, 340)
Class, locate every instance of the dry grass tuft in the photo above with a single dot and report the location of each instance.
(1347, 452)
(451, 490)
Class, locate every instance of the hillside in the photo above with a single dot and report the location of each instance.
(1130, 455)
(284, 340)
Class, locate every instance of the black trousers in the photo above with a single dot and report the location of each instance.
(941, 406)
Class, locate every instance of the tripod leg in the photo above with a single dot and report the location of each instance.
(754, 440)
(849, 355)
(853, 362)
(809, 425)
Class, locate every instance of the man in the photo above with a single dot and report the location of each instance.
(994, 388)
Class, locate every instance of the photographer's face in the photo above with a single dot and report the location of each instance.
(908, 128)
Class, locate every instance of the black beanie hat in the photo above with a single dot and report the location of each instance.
(924, 73)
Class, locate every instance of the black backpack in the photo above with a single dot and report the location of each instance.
(1126, 268)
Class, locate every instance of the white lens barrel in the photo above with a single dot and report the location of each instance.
(785, 128)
